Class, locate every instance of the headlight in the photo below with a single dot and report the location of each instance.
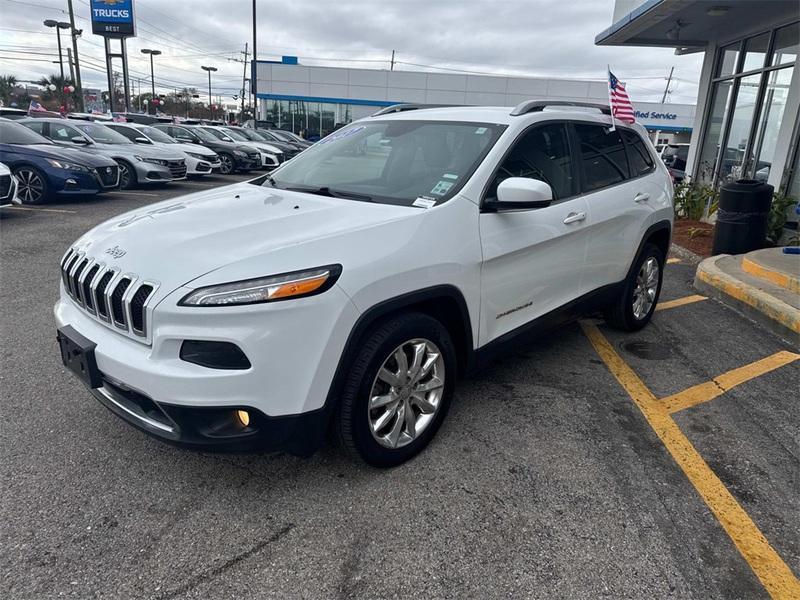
(297, 284)
(240, 153)
(67, 166)
(154, 161)
(200, 156)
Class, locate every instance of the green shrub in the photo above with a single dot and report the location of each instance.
(695, 200)
(777, 216)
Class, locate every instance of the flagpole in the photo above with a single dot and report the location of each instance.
(610, 104)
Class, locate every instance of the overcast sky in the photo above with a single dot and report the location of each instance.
(551, 38)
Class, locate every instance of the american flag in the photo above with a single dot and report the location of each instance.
(621, 107)
(36, 107)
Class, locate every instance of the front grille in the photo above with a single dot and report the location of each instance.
(177, 168)
(117, 299)
(5, 186)
(108, 176)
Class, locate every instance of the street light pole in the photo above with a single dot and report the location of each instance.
(152, 53)
(74, 33)
(59, 25)
(209, 70)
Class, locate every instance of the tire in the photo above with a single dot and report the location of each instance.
(635, 306)
(127, 175)
(380, 436)
(226, 163)
(33, 185)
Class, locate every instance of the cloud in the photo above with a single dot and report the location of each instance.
(550, 38)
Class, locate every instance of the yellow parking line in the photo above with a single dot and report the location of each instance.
(680, 302)
(722, 383)
(37, 209)
(767, 565)
(672, 261)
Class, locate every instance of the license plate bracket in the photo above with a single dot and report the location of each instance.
(77, 354)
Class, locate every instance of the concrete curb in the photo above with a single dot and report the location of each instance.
(685, 254)
(784, 280)
(760, 306)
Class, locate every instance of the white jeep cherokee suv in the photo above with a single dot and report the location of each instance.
(350, 290)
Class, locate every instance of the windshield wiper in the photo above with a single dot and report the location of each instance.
(326, 191)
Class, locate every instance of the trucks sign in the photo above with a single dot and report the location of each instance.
(113, 18)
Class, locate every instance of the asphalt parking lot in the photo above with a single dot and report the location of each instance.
(579, 467)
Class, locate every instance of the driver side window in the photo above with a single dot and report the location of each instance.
(62, 133)
(542, 153)
(182, 134)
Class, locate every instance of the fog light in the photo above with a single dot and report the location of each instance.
(244, 417)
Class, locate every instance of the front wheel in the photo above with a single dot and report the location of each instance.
(127, 176)
(398, 390)
(637, 303)
(226, 164)
(32, 185)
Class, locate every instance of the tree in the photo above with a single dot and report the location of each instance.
(58, 94)
(7, 83)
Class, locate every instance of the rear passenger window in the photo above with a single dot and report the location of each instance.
(543, 154)
(38, 127)
(639, 158)
(602, 156)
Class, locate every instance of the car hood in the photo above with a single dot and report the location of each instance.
(78, 156)
(176, 241)
(193, 148)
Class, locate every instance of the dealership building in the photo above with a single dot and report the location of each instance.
(747, 124)
(318, 99)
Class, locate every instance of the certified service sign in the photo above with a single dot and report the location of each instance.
(113, 18)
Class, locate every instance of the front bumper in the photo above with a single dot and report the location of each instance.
(195, 166)
(284, 389)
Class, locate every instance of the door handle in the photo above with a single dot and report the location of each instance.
(574, 217)
(641, 197)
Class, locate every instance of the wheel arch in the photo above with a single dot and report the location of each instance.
(660, 234)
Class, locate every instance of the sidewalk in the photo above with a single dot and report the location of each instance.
(764, 285)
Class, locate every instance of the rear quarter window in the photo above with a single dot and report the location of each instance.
(639, 158)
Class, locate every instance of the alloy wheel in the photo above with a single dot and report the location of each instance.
(406, 393)
(644, 294)
(226, 164)
(31, 186)
(124, 176)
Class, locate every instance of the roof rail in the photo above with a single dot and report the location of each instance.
(530, 106)
(403, 107)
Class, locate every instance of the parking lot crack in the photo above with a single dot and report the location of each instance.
(209, 574)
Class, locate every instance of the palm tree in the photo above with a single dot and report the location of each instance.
(7, 83)
(58, 94)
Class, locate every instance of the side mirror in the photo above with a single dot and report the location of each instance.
(142, 140)
(79, 140)
(517, 193)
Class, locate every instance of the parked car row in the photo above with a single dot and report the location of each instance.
(54, 156)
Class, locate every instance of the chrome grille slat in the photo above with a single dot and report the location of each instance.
(121, 300)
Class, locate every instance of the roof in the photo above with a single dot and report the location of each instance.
(486, 114)
(690, 25)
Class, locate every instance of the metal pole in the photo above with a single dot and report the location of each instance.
(125, 81)
(60, 58)
(391, 68)
(244, 77)
(69, 62)
(253, 71)
(109, 73)
(210, 110)
(152, 84)
(666, 89)
(77, 80)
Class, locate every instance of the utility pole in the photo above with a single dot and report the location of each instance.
(391, 67)
(69, 62)
(77, 79)
(244, 72)
(254, 72)
(666, 89)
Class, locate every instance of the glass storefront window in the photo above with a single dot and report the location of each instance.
(755, 51)
(744, 107)
(787, 45)
(713, 134)
(729, 56)
(769, 124)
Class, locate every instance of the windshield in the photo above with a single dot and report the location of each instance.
(395, 162)
(102, 134)
(248, 135)
(14, 133)
(237, 135)
(157, 135)
(204, 135)
(282, 136)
